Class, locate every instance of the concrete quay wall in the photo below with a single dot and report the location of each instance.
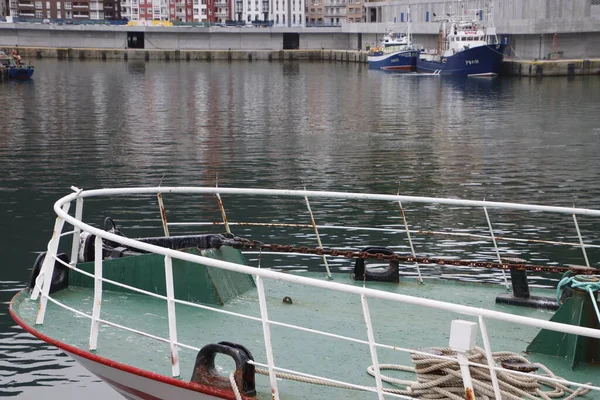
(523, 44)
(552, 67)
(32, 53)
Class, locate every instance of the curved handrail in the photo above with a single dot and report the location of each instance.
(461, 309)
(325, 194)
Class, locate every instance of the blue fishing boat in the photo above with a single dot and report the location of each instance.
(466, 47)
(397, 52)
(16, 68)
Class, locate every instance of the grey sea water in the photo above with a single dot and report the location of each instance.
(273, 125)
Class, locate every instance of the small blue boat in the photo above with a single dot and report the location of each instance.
(466, 48)
(15, 67)
(20, 72)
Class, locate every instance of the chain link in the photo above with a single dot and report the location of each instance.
(255, 244)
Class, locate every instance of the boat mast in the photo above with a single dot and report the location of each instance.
(490, 23)
(408, 31)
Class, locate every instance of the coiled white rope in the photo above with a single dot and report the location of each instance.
(439, 379)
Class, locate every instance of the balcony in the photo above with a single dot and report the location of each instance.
(25, 4)
(221, 3)
(80, 7)
(26, 14)
(223, 14)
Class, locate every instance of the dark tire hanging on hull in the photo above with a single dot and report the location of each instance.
(60, 276)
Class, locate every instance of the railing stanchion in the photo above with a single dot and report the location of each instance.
(489, 222)
(93, 345)
(47, 269)
(77, 231)
(264, 315)
(163, 213)
(314, 224)
(587, 262)
(223, 214)
(372, 348)
(412, 248)
(171, 315)
(490, 360)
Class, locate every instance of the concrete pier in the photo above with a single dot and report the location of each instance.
(552, 67)
(31, 53)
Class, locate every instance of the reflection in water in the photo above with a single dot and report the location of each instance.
(279, 125)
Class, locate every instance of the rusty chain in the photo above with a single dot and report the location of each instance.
(255, 244)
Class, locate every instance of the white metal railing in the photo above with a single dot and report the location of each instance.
(61, 207)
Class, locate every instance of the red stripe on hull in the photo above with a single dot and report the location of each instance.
(400, 68)
(192, 386)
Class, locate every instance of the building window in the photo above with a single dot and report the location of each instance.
(38, 4)
(58, 14)
(38, 14)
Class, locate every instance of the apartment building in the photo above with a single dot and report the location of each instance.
(63, 9)
(158, 10)
(334, 12)
(4, 10)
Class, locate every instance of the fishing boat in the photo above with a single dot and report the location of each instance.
(16, 68)
(397, 52)
(466, 47)
(301, 294)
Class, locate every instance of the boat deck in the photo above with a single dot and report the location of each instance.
(400, 325)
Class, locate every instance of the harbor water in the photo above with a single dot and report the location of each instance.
(285, 125)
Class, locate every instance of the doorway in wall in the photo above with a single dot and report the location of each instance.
(291, 41)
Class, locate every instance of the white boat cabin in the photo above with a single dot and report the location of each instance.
(464, 35)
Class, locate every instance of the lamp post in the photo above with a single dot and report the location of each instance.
(265, 9)
(238, 10)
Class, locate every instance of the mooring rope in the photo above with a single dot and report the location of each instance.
(440, 379)
(234, 386)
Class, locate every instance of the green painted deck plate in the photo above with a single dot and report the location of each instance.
(192, 282)
(340, 313)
